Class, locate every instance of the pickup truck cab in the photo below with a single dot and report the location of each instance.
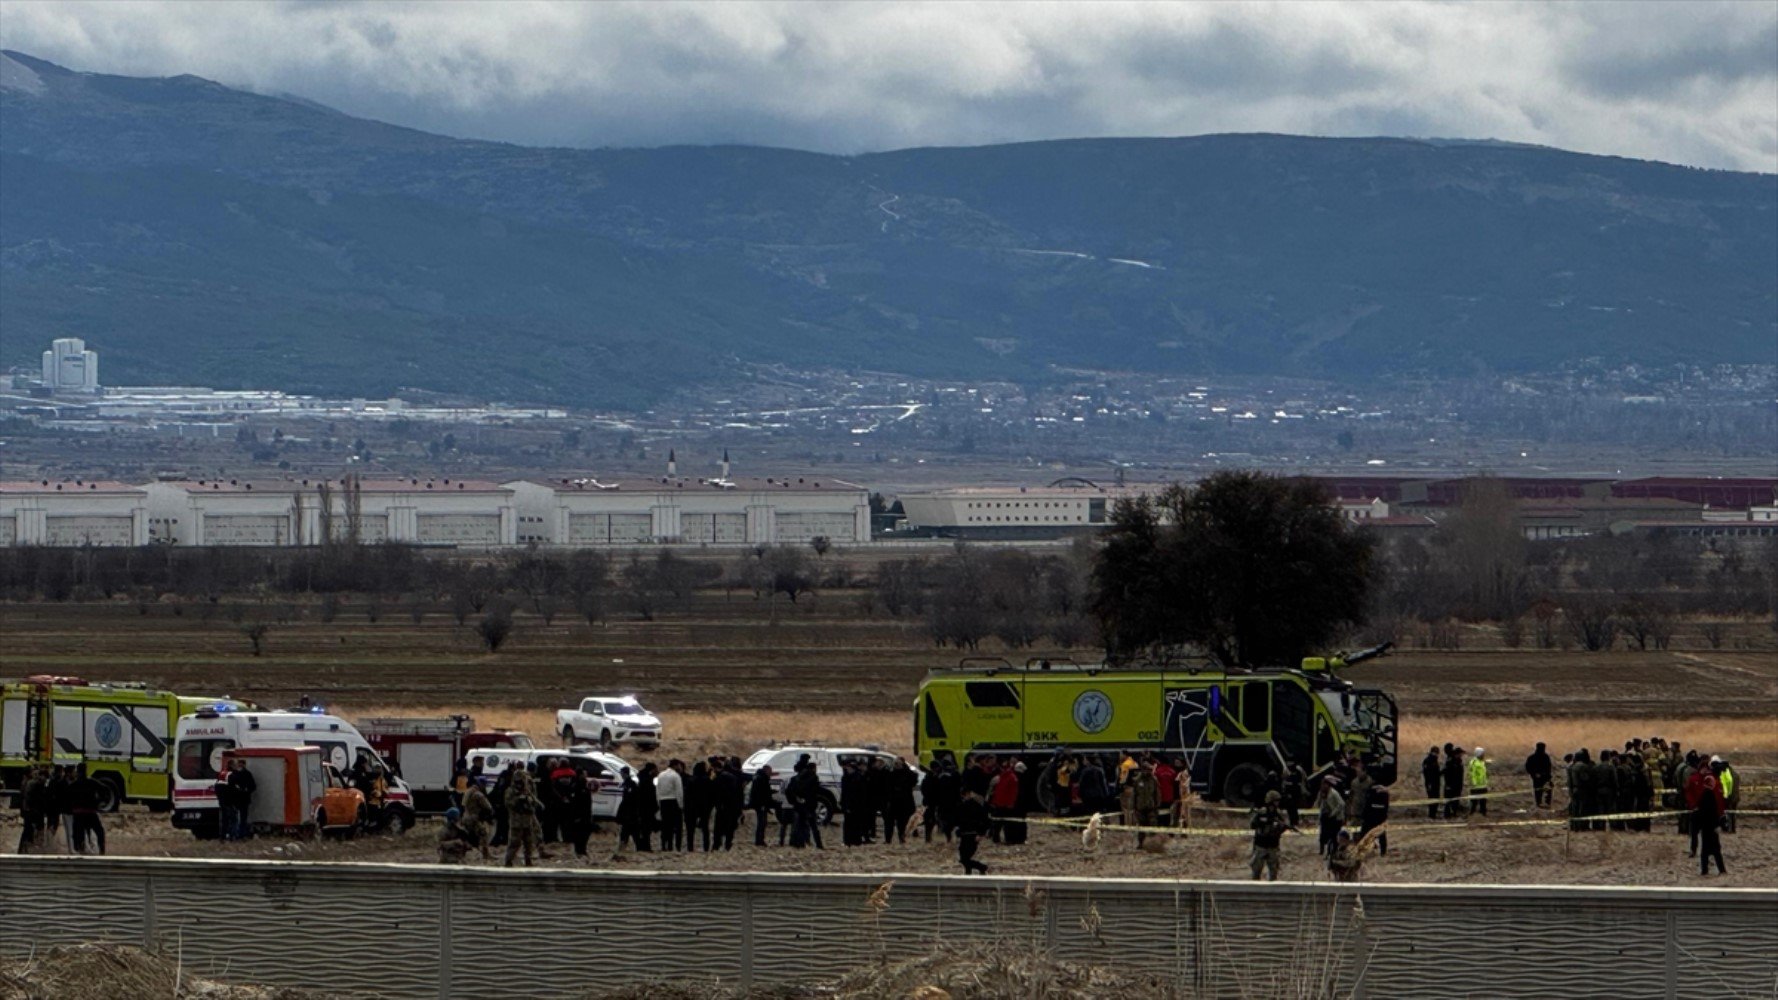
(607, 721)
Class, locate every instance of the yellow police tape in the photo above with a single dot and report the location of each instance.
(1081, 822)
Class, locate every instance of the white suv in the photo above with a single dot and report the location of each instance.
(829, 767)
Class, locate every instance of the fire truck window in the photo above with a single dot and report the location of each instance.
(1255, 708)
(200, 759)
(1231, 703)
(991, 694)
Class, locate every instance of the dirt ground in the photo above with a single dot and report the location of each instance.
(728, 682)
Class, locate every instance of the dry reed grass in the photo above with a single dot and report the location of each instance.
(106, 971)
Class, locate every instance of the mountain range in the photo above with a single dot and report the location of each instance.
(193, 232)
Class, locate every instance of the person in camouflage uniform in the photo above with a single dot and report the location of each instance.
(522, 807)
(478, 817)
(1268, 825)
(453, 840)
(1145, 797)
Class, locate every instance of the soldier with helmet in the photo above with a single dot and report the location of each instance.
(1268, 825)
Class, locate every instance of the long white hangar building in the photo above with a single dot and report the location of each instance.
(438, 512)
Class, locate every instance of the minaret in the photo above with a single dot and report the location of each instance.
(725, 463)
(672, 463)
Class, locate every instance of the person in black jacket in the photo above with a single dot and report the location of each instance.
(972, 824)
(762, 802)
(577, 810)
(698, 806)
(1095, 791)
(1430, 771)
(1375, 813)
(33, 806)
(241, 785)
(84, 796)
(852, 803)
(1541, 769)
(729, 790)
(1453, 775)
(803, 792)
(898, 812)
(643, 803)
(876, 798)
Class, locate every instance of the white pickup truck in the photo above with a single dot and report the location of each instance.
(608, 720)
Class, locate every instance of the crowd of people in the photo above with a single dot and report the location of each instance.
(61, 804)
(530, 809)
(1617, 789)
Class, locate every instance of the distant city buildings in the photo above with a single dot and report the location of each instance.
(69, 367)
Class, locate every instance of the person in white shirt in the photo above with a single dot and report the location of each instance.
(670, 789)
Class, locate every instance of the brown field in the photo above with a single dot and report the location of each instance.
(729, 679)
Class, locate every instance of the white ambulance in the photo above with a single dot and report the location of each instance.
(200, 739)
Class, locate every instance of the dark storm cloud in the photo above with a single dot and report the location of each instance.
(1688, 82)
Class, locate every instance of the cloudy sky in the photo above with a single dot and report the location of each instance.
(1693, 82)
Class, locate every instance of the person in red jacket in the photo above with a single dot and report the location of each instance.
(1004, 798)
(1703, 796)
(1168, 779)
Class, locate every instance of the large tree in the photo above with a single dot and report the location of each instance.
(1253, 569)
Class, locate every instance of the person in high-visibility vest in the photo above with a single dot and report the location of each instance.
(1478, 783)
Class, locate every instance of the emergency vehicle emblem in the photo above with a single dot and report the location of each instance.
(108, 731)
(1092, 711)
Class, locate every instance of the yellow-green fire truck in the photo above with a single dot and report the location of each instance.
(121, 732)
(1230, 726)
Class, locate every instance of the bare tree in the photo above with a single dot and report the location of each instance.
(495, 626)
(1647, 618)
(256, 631)
(1592, 620)
(901, 586)
(1485, 547)
(787, 572)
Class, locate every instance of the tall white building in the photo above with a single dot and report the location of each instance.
(69, 367)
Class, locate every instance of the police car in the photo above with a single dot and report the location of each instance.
(830, 765)
(604, 769)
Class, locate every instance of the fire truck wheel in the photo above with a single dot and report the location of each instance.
(1243, 784)
(110, 793)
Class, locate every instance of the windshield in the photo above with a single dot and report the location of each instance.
(628, 706)
(520, 741)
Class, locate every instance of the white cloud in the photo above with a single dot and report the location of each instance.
(1688, 82)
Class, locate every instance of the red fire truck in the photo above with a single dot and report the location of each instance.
(425, 752)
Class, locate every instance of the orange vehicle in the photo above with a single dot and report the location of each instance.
(297, 792)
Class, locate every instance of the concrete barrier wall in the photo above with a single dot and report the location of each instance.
(462, 932)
